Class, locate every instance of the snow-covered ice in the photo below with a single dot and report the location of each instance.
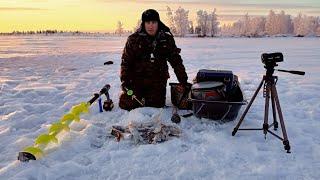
(42, 77)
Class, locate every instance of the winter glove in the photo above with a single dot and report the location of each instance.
(126, 86)
(184, 86)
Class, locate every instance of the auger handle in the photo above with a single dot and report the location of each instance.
(104, 90)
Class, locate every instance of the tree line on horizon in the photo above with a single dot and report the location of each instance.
(207, 25)
(46, 32)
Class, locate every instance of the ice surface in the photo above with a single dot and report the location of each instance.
(41, 77)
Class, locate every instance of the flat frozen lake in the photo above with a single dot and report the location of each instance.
(41, 77)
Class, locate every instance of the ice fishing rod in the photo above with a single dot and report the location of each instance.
(37, 150)
(130, 93)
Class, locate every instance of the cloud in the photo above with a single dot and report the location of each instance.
(229, 3)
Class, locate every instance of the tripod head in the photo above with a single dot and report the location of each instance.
(271, 59)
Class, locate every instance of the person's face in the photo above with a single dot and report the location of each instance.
(151, 27)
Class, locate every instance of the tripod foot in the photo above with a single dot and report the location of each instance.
(234, 131)
(286, 146)
(275, 125)
(265, 128)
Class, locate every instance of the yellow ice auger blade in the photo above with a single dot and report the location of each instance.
(76, 118)
(56, 128)
(80, 108)
(67, 117)
(65, 127)
(37, 152)
(45, 139)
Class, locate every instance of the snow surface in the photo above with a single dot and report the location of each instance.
(41, 77)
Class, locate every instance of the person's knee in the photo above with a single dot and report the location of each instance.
(156, 98)
(126, 103)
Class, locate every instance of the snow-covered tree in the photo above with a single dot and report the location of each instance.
(225, 30)
(197, 30)
(191, 28)
(240, 28)
(213, 23)
(170, 20)
(236, 28)
(318, 29)
(271, 23)
(285, 23)
(202, 22)
(257, 26)
(119, 29)
(247, 26)
(318, 32)
(298, 24)
(312, 24)
(181, 21)
(278, 23)
(306, 25)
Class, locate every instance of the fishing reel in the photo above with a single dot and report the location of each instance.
(108, 103)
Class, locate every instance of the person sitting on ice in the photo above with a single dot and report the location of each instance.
(144, 70)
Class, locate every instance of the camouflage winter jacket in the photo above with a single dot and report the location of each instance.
(145, 58)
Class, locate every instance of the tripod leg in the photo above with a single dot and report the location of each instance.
(247, 108)
(274, 111)
(265, 126)
(283, 128)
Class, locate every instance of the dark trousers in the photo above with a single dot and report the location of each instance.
(153, 92)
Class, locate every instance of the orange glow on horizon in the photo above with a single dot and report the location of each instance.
(99, 15)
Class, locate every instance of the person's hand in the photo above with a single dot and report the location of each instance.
(180, 88)
(126, 86)
(184, 86)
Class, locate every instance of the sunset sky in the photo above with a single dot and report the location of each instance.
(102, 15)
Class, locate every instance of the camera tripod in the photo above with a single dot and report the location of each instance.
(269, 93)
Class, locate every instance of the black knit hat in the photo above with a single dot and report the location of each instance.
(150, 15)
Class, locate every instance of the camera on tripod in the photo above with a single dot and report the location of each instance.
(271, 58)
(270, 93)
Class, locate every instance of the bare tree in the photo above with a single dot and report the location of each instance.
(119, 29)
